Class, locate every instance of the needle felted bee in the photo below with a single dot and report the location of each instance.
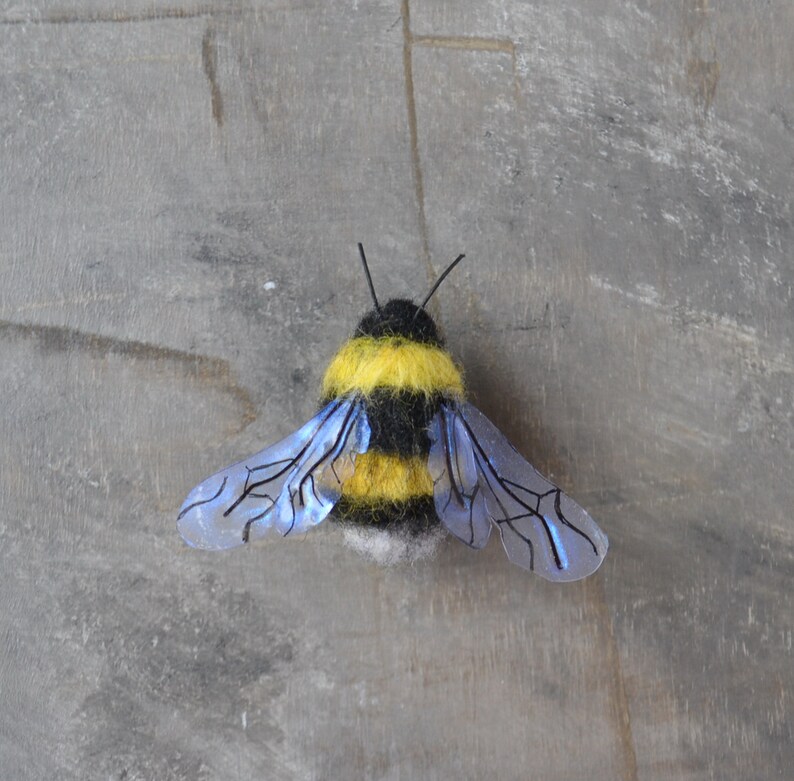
(396, 443)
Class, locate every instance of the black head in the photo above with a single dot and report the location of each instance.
(400, 317)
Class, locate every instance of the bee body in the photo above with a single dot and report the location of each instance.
(397, 363)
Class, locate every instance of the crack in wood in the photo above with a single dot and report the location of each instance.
(206, 369)
(209, 59)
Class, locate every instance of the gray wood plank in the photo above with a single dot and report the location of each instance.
(183, 188)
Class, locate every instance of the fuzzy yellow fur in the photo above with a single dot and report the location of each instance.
(381, 478)
(366, 363)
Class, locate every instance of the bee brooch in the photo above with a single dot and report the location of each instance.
(395, 444)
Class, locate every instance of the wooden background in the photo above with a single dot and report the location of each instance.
(182, 189)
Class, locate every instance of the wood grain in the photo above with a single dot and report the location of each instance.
(183, 190)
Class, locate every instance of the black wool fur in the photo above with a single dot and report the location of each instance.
(415, 516)
(400, 317)
(399, 421)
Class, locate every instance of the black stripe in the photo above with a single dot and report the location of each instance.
(416, 515)
(399, 420)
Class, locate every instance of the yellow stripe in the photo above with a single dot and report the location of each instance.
(365, 363)
(384, 477)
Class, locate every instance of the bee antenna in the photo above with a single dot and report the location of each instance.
(438, 283)
(369, 278)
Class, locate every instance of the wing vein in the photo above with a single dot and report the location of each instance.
(190, 507)
(502, 482)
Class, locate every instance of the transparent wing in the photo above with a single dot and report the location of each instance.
(289, 487)
(460, 504)
(478, 475)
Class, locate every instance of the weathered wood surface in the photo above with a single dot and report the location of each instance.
(620, 175)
